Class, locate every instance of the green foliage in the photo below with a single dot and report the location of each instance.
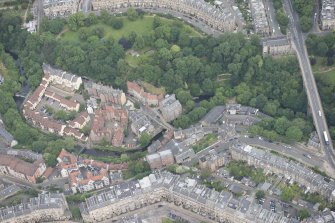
(75, 211)
(205, 142)
(132, 14)
(144, 139)
(303, 213)
(137, 169)
(260, 194)
(39, 179)
(240, 169)
(289, 192)
(305, 11)
(55, 26)
(64, 116)
(76, 21)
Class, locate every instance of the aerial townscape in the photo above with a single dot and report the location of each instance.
(167, 111)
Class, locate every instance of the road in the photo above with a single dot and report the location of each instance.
(309, 82)
(271, 14)
(304, 156)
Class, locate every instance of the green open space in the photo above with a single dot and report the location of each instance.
(205, 142)
(140, 26)
(327, 77)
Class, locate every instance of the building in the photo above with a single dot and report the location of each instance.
(108, 124)
(217, 18)
(11, 165)
(261, 24)
(146, 98)
(23, 153)
(213, 160)
(185, 193)
(277, 46)
(213, 116)
(180, 151)
(68, 104)
(154, 161)
(327, 16)
(60, 8)
(45, 207)
(61, 77)
(154, 147)
(140, 123)
(65, 81)
(80, 121)
(290, 169)
(170, 108)
(160, 159)
(86, 174)
(106, 93)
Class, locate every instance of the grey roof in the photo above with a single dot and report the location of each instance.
(214, 115)
(43, 201)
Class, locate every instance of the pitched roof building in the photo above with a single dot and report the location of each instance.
(108, 124)
(86, 174)
(16, 167)
(170, 108)
(45, 207)
(138, 92)
(106, 93)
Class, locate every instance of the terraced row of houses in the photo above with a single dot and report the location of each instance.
(209, 14)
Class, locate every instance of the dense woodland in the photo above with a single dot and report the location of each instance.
(228, 67)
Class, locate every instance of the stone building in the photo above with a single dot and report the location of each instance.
(60, 8)
(170, 108)
(185, 193)
(11, 165)
(290, 169)
(106, 94)
(44, 208)
(261, 24)
(201, 10)
(160, 159)
(277, 46)
(108, 124)
(327, 16)
(213, 160)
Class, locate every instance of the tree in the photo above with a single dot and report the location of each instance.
(281, 125)
(294, 134)
(303, 213)
(145, 139)
(76, 21)
(92, 19)
(287, 194)
(183, 96)
(132, 14)
(139, 42)
(260, 194)
(305, 23)
(116, 23)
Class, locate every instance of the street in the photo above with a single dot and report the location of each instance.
(309, 83)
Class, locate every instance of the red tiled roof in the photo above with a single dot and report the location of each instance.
(134, 87)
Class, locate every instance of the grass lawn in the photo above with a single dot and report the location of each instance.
(327, 77)
(140, 26)
(152, 89)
